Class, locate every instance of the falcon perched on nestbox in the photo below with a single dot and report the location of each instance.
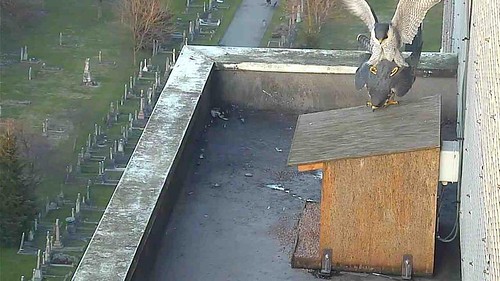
(389, 80)
(386, 39)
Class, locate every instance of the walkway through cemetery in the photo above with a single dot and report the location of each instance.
(249, 24)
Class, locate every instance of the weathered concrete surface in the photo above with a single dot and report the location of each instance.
(115, 243)
(241, 229)
(246, 28)
(307, 60)
(303, 93)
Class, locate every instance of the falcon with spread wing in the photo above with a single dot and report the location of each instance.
(390, 80)
(386, 39)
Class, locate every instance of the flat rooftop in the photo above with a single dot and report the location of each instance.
(233, 221)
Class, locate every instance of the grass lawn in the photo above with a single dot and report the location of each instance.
(71, 108)
(57, 94)
(341, 29)
(12, 265)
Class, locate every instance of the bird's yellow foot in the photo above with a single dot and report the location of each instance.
(370, 104)
(391, 102)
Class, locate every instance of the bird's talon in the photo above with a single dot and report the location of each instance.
(369, 104)
(394, 71)
(391, 102)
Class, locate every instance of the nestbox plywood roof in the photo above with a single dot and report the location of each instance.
(359, 132)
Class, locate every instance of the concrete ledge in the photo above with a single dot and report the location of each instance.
(139, 199)
(312, 61)
(125, 222)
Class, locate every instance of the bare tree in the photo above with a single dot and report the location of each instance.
(148, 20)
(315, 14)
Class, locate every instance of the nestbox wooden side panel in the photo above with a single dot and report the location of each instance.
(378, 208)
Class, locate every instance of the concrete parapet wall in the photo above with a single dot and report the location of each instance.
(303, 92)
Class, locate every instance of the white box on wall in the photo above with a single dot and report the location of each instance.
(449, 162)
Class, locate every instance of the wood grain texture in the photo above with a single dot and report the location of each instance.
(376, 209)
(359, 132)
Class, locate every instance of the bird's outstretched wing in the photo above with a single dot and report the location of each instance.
(408, 17)
(362, 9)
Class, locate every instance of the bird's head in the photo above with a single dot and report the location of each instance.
(381, 31)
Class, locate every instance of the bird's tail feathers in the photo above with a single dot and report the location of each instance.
(364, 42)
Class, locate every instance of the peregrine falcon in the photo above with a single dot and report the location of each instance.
(386, 39)
(389, 80)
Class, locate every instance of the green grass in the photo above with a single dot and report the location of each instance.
(12, 265)
(70, 106)
(341, 29)
(60, 97)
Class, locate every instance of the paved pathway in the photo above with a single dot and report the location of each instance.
(247, 28)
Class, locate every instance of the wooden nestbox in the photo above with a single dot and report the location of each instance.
(380, 177)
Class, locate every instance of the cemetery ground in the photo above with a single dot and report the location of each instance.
(341, 28)
(55, 93)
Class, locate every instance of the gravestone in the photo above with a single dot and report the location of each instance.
(157, 79)
(57, 242)
(21, 245)
(87, 79)
(44, 129)
(167, 66)
(121, 146)
(31, 235)
(117, 110)
(77, 206)
(25, 53)
(37, 272)
(141, 114)
(111, 154)
(88, 190)
(125, 93)
(48, 248)
(78, 168)
(70, 225)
